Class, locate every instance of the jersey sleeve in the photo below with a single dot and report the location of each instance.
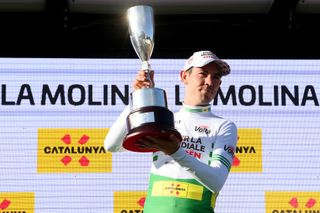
(114, 139)
(214, 175)
(224, 146)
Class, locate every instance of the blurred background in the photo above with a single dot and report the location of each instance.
(255, 29)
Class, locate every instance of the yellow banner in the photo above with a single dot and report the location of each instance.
(177, 189)
(248, 153)
(295, 202)
(17, 202)
(62, 150)
(129, 201)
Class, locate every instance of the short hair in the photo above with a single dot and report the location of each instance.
(189, 70)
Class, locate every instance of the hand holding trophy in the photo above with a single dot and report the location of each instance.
(149, 115)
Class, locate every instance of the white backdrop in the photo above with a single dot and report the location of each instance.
(279, 97)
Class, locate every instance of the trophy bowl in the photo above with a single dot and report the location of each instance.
(149, 114)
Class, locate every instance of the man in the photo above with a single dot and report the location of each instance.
(186, 176)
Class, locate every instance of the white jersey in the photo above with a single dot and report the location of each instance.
(190, 179)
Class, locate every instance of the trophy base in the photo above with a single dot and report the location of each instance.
(130, 141)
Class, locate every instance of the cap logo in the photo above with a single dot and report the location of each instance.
(208, 55)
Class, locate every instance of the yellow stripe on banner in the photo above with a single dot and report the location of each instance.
(129, 201)
(17, 202)
(292, 201)
(177, 189)
(66, 150)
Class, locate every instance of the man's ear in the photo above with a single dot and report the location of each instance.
(183, 76)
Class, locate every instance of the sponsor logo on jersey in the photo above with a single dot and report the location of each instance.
(72, 150)
(248, 153)
(177, 189)
(292, 202)
(202, 129)
(129, 201)
(16, 202)
(229, 150)
(193, 146)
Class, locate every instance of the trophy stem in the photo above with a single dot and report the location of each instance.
(147, 68)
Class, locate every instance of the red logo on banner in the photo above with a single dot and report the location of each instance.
(4, 204)
(236, 161)
(248, 152)
(83, 161)
(73, 150)
(129, 201)
(294, 202)
(141, 201)
(309, 204)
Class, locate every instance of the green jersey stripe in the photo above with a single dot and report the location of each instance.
(200, 109)
(222, 159)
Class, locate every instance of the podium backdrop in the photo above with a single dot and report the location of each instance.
(55, 114)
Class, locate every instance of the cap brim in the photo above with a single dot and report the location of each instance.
(224, 67)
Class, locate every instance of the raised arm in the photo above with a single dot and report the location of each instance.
(114, 139)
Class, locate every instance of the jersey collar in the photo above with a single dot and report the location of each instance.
(196, 109)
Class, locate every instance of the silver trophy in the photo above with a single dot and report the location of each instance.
(149, 114)
(141, 30)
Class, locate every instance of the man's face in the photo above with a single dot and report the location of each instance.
(202, 84)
